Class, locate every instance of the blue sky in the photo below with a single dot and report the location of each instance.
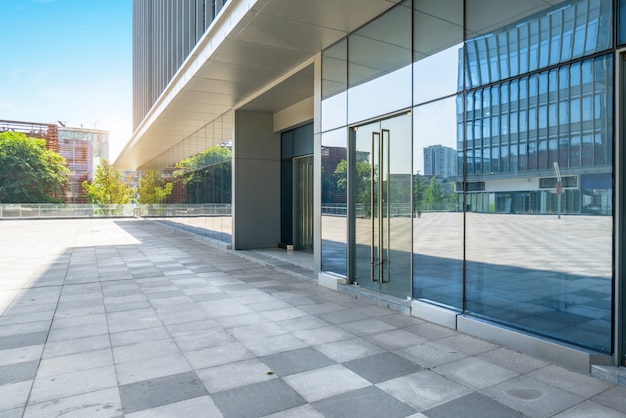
(68, 61)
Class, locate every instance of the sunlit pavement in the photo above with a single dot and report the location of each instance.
(109, 318)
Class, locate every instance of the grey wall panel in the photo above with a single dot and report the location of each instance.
(256, 181)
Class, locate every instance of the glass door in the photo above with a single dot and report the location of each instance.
(303, 201)
(380, 192)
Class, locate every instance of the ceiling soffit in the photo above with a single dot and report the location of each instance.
(269, 39)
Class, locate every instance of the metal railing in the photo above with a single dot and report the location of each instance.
(44, 211)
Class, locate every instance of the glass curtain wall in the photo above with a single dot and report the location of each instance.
(512, 156)
(538, 143)
(200, 168)
(438, 218)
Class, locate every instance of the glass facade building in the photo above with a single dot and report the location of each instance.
(461, 158)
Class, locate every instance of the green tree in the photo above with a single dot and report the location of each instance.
(152, 188)
(108, 187)
(206, 176)
(29, 173)
(362, 186)
(418, 194)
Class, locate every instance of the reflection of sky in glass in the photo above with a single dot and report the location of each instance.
(433, 124)
(437, 75)
(336, 138)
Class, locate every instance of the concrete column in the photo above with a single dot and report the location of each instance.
(256, 181)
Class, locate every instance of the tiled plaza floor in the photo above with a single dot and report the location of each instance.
(111, 318)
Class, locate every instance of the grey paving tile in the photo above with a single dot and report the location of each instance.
(304, 411)
(252, 332)
(264, 346)
(69, 384)
(98, 319)
(144, 350)
(475, 373)
(262, 398)
(201, 297)
(119, 339)
(97, 404)
(31, 327)
(121, 324)
(14, 395)
(161, 391)
(431, 354)
(323, 335)
(78, 308)
(23, 340)
(26, 313)
(302, 324)
(203, 339)
(234, 375)
(381, 367)
(325, 382)
(369, 402)
(401, 320)
(395, 339)
(202, 406)
(284, 314)
(468, 344)
(77, 345)
(431, 331)
(151, 368)
(53, 366)
(137, 302)
(346, 350)
(12, 413)
(80, 331)
(18, 372)
(589, 409)
(614, 398)
(236, 321)
(512, 360)
(20, 354)
(341, 317)
(296, 361)
(532, 397)
(214, 356)
(322, 308)
(186, 328)
(473, 405)
(577, 383)
(366, 327)
(424, 389)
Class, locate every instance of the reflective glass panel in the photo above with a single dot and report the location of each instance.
(523, 35)
(334, 221)
(539, 230)
(437, 46)
(334, 85)
(438, 219)
(379, 70)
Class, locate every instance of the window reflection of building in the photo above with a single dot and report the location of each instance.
(543, 112)
(440, 161)
(83, 150)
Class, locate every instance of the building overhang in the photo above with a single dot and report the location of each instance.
(249, 46)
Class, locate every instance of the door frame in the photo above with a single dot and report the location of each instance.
(351, 197)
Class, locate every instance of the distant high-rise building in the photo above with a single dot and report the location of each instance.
(83, 149)
(440, 161)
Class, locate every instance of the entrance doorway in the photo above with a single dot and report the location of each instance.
(297, 188)
(380, 205)
(303, 201)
